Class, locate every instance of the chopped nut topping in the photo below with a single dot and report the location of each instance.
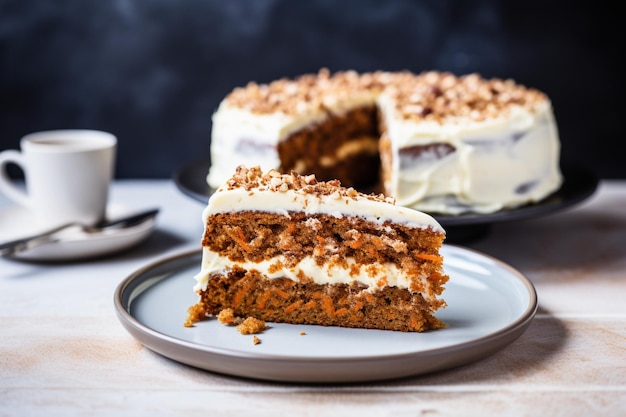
(251, 178)
(429, 95)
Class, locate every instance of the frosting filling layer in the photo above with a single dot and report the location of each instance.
(344, 271)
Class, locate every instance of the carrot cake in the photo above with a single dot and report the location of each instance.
(288, 248)
(434, 141)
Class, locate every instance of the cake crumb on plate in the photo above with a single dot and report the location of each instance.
(227, 316)
(251, 325)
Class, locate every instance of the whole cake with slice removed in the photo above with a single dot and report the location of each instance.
(288, 248)
(434, 141)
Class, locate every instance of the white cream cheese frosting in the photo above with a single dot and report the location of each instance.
(488, 165)
(337, 204)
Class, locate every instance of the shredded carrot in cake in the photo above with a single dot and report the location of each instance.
(289, 282)
(280, 293)
(293, 306)
(341, 311)
(260, 302)
(240, 238)
(327, 305)
(241, 293)
(275, 302)
(377, 242)
(356, 244)
(428, 257)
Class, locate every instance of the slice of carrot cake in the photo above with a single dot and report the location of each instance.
(287, 248)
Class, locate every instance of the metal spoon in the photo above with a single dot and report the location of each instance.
(20, 245)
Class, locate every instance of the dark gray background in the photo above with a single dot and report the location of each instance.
(152, 72)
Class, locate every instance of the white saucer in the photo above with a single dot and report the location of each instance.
(16, 222)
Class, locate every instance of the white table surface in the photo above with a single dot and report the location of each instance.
(63, 351)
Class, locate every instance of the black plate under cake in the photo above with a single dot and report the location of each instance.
(578, 185)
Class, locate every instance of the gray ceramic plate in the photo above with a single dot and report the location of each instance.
(490, 305)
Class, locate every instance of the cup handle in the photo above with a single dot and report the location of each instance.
(7, 185)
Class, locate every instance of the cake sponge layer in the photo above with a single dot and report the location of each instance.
(248, 293)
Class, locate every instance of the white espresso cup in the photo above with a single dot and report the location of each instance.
(67, 175)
